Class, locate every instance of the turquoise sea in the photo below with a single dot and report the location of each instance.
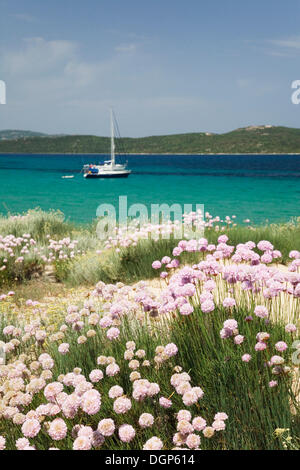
(254, 186)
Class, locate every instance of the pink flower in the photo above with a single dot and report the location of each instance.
(86, 431)
(96, 375)
(220, 416)
(246, 358)
(105, 322)
(261, 311)
(260, 346)
(2, 443)
(207, 306)
(218, 425)
(112, 369)
(229, 302)
(290, 328)
(63, 348)
(186, 309)
(273, 383)
(164, 274)
(184, 427)
(171, 350)
(82, 443)
(193, 441)
(146, 420)
(230, 324)
(122, 405)
(113, 333)
(164, 402)
(31, 427)
(52, 390)
(126, 433)
(91, 402)
(281, 346)
(190, 397)
(177, 251)
(199, 423)
(276, 360)
(184, 415)
(22, 443)
(156, 265)
(238, 339)
(115, 391)
(223, 239)
(267, 258)
(57, 429)
(264, 245)
(106, 427)
(153, 444)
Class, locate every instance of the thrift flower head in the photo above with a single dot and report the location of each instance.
(165, 402)
(261, 311)
(2, 443)
(106, 427)
(113, 333)
(31, 428)
(199, 423)
(126, 433)
(153, 444)
(281, 346)
(122, 405)
(82, 443)
(146, 420)
(193, 441)
(96, 375)
(115, 392)
(290, 328)
(57, 429)
(171, 350)
(218, 425)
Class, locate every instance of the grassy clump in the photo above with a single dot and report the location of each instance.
(130, 264)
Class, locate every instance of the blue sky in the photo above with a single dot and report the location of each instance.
(166, 66)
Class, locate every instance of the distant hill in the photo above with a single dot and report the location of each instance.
(253, 139)
(14, 134)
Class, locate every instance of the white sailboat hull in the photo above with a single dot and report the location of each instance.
(108, 174)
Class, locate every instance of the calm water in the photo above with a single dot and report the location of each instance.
(255, 187)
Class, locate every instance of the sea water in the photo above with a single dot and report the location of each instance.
(256, 187)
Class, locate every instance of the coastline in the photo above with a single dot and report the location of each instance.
(160, 154)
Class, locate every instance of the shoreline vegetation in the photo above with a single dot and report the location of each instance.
(253, 140)
(144, 342)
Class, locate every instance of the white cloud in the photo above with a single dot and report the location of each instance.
(126, 48)
(53, 87)
(290, 43)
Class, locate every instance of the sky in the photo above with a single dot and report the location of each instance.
(165, 66)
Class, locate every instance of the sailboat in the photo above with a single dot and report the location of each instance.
(109, 169)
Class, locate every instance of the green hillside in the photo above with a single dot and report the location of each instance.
(15, 134)
(254, 139)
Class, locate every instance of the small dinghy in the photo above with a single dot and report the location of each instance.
(68, 176)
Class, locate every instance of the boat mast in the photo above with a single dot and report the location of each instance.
(112, 139)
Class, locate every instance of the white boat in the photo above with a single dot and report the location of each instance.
(109, 169)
